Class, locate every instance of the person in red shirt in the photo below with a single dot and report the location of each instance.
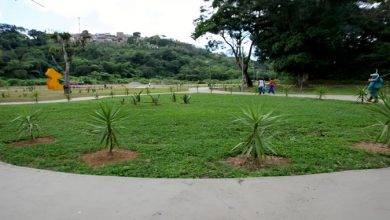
(272, 86)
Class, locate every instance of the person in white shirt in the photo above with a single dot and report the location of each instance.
(261, 86)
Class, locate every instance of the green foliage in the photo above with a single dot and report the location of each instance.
(105, 121)
(123, 102)
(155, 99)
(186, 98)
(25, 61)
(96, 95)
(173, 97)
(134, 100)
(68, 97)
(258, 124)
(286, 89)
(127, 91)
(383, 111)
(35, 95)
(361, 94)
(28, 124)
(137, 96)
(112, 93)
(321, 91)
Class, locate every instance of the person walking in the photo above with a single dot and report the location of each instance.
(375, 84)
(261, 86)
(272, 86)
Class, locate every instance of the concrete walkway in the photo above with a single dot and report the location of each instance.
(191, 90)
(28, 193)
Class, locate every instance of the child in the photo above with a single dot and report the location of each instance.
(272, 87)
(261, 86)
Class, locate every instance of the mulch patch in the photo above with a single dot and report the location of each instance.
(103, 157)
(30, 142)
(373, 147)
(252, 164)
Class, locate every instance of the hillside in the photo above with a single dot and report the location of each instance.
(26, 54)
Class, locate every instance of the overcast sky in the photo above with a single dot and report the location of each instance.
(173, 18)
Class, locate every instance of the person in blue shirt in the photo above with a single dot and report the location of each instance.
(375, 84)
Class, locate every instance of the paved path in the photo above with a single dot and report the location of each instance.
(191, 90)
(312, 96)
(27, 193)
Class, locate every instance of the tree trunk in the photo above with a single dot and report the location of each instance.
(247, 79)
(302, 80)
(67, 88)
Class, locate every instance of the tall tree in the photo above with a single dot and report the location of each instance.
(231, 20)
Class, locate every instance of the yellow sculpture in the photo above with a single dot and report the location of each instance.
(52, 81)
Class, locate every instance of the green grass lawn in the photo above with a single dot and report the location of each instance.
(177, 140)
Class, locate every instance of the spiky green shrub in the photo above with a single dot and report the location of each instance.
(383, 110)
(137, 96)
(361, 94)
(134, 100)
(35, 96)
(67, 96)
(112, 93)
(105, 121)
(28, 124)
(173, 97)
(258, 124)
(321, 91)
(155, 99)
(286, 89)
(186, 98)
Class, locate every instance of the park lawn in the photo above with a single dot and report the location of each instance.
(178, 140)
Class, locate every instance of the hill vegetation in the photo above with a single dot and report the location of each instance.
(26, 54)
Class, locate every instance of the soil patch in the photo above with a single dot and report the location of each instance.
(252, 164)
(102, 158)
(373, 147)
(30, 142)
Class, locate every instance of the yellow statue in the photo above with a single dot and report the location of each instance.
(52, 81)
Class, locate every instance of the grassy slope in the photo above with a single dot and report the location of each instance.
(177, 140)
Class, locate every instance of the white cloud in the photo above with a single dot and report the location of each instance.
(173, 18)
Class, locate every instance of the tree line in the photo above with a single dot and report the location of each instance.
(316, 39)
(26, 54)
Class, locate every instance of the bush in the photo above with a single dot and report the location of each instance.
(28, 124)
(256, 144)
(105, 121)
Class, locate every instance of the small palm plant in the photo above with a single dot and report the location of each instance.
(112, 93)
(155, 99)
(286, 89)
(256, 144)
(105, 121)
(134, 100)
(321, 91)
(35, 95)
(384, 122)
(186, 98)
(173, 97)
(362, 94)
(67, 96)
(28, 124)
(137, 96)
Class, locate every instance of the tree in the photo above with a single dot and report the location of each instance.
(231, 21)
(322, 38)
